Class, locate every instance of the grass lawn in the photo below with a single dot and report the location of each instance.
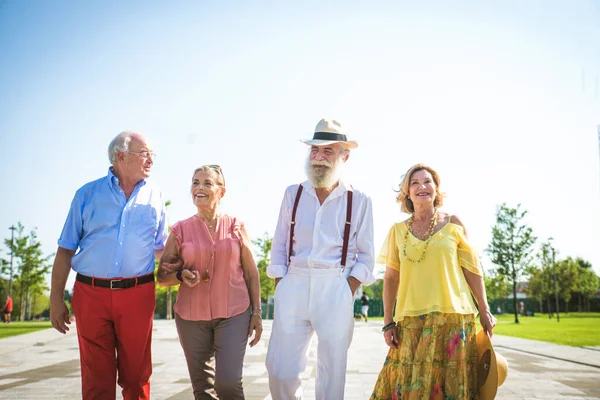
(574, 329)
(19, 328)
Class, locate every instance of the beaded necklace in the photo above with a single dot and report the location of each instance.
(428, 235)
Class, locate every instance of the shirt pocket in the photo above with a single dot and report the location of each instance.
(146, 221)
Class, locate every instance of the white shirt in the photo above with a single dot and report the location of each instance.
(319, 233)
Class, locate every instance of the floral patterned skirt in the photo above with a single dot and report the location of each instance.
(436, 359)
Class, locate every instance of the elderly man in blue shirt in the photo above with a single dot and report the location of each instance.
(115, 229)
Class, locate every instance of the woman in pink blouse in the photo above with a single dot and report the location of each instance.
(219, 284)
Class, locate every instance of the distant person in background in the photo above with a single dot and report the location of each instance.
(115, 229)
(364, 302)
(8, 307)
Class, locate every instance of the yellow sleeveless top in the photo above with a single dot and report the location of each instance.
(436, 284)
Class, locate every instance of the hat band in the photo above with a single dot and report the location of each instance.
(338, 137)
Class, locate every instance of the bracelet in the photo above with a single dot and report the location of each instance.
(179, 277)
(258, 314)
(389, 326)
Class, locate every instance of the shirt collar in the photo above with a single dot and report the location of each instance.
(341, 188)
(114, 181)
(112, 178)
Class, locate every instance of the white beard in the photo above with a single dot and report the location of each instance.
(324, 177)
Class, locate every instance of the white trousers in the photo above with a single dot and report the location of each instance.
(307, 301)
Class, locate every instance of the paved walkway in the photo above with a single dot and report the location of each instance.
(45, 365)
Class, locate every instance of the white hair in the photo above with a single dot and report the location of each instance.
(330, 176)
(119, 143)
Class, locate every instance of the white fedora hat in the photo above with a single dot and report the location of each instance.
(330, 131)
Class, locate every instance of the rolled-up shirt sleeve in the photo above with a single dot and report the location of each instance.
(279, 257)
(73, 228)
(365, 257)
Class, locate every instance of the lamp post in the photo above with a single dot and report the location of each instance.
(12, 246)
(555, 285)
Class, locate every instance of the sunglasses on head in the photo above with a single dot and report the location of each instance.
(216, 168)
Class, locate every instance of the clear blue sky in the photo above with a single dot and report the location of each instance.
(502, 98)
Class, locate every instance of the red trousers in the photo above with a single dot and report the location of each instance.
(114, 328)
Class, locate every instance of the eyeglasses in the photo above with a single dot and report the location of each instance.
(145, 154)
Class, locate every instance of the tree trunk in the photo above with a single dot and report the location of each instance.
(21, 304)
(549, 307)
(588, 303)
(169, 314)
(27, 305)
(515, 301)
(33, 307)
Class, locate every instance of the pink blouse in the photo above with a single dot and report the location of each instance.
(225, 294)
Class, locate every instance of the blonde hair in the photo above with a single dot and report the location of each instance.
(211, 167)
(407, 205)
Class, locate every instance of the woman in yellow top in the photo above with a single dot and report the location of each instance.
(431, 272)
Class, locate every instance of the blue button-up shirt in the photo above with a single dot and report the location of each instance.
(116, 237)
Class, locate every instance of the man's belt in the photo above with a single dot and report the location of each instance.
(115, 283)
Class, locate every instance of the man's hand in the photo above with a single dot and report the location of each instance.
(59, 315)
(354, 284)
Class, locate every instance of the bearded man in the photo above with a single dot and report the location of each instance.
(322, 252)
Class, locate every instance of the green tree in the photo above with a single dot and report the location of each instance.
(164, 307)
(510, 247)
(40, 304)
(375, 290)
(164, 297)
(496, 286)
(263, 257)
(583, 264)
(538, 286)
(30, 267)
(567, 276)
(588, 284)
(541, 277)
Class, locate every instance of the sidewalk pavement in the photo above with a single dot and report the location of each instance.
(45, 365)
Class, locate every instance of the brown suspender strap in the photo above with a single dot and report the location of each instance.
(347, 228)
(293, 222)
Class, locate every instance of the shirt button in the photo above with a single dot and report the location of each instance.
(116, 263)
(121, 243)
(123, 225)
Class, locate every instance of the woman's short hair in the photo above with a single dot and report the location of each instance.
(119, 143)
(212, 167)
(407, 205)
